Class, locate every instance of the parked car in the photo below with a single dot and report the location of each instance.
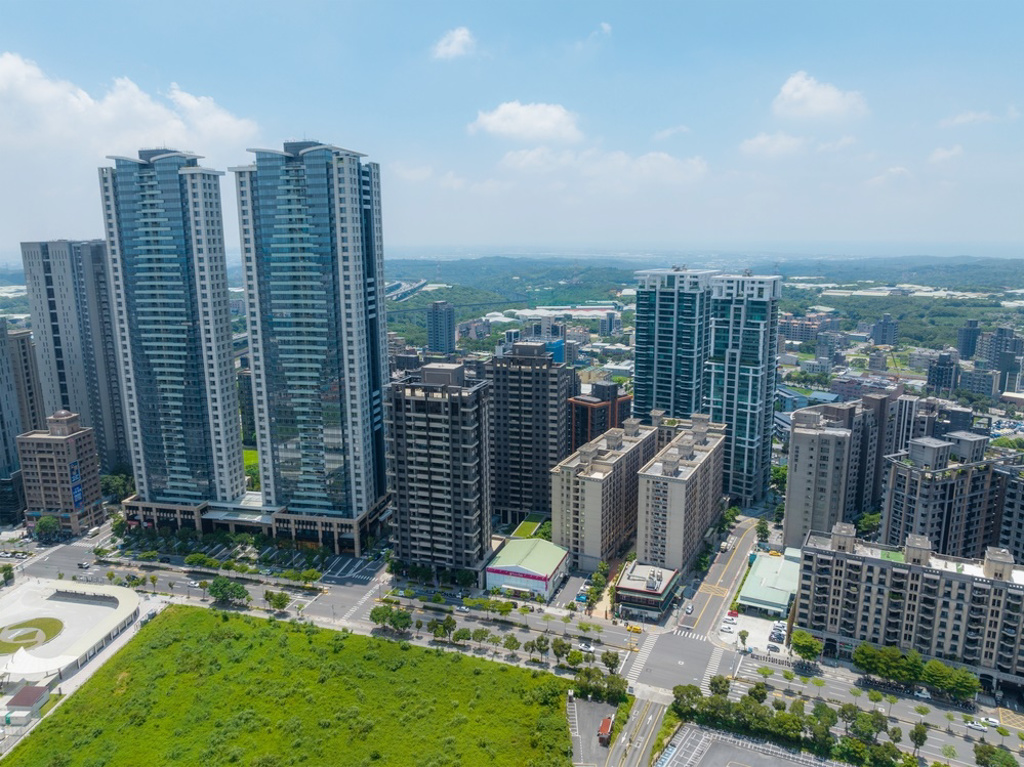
(977, 726)
(773, 648)
(165, 560)
(923, 694)
(83, 565)
(727, 629)
(689, 609)
(729, 620)
(734, 614)
(990, 721)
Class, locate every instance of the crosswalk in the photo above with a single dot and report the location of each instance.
(358, 604)
(690, 635)
(83, 543)
(711, 670)
(641, 657)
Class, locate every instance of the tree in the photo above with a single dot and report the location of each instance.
(531, 647)
(610, 659)
(874, 696)
(718, 685)
(512, 644)
(918, 735)
(819, 683)
(1002, 732)
(949, 752)
(111, 575)
(543, 645)
(895, 735)
(380, 614)
(495, 639)
(805, 645)
(856, 692)
(762, 530)
(922, 709)
(224, 590)
(449, 625)
(758, 692)
(547, 619)
(462, 635)
(848, 713)
(789, 676)
(310, 575)
(480, 636)
(47, 527)
(560, 648)
(574, 658)
(766, 672)
(950, 718)
(778, 480)
(890, 699)
(400, 620)
(279, 600)
(743, 635)
(152, 580)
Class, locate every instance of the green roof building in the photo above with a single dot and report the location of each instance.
(528, 565)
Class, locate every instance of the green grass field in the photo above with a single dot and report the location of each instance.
(26, 637)
(250, 458)
(198, 687)
(528, 526)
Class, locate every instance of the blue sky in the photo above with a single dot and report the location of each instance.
(820, 127)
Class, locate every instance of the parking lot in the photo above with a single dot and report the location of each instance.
(583, 728)
(567, 593)
(759, 633)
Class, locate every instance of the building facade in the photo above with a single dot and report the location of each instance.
(60, 474)
(26, 378)
(967, 339)
(438, 434)
(530, 429)
(886, 332)
(591, 415)
(946, 490)
(673, 340)
(441, 327)
(680, 495)
(165, 241)
(969, 611)
(741, 378)
(594, 494)
(12, 497)
(312, 250)
(68, 286)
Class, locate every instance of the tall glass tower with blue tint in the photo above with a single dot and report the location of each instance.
(312, 250)
(165, 239)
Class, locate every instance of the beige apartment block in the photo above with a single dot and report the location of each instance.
(680, 494)
(594, 493)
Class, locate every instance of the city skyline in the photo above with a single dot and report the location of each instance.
(810, 128)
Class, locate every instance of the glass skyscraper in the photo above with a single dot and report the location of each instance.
(310, 226)
(165, 241)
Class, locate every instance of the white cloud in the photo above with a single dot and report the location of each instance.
(452, 181)
(836, 146)
(888, 175)
(967, 118)
(941, 154)
(670, 132)
(529, 122)
(455, 43)
(605, 28)
(771, 145)
(412, 172)
(54, 134)
(803, 96)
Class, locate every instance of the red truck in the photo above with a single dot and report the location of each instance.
(604, 732)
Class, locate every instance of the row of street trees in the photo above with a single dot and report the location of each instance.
(909, 668)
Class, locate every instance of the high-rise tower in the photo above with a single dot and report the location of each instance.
(165, 240)
(313, 255)
(73, 324)
(741, 370)
(441, 327)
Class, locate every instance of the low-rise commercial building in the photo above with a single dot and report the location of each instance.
(645, 592)
(530, 566)
(969, 611)
(771, 584)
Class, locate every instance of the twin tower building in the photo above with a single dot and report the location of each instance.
(310, 234)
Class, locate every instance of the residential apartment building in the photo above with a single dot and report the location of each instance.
(943, 374)
(12, 498)
(312, 251)
(1011, 524)
(807, 327)
(438, 432)
(21, 350)
(967, 339)
(969, 611)
(69, 294)
(441, 327)
(979, 380)
(531, 427)
(946, 490)
(886, 332)
(591, 415)
(165, 241)
(594, 494)
(741, 378)
(680, 494)
(60, 473)
(673, 340)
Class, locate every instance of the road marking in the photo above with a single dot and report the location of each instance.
(641, 657)
(690, 635)
(711, 670)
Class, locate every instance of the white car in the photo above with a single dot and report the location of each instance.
(586, 647)
(193, 584)
(990, 721)
(923, 694)
(977, 726)
(689, 609)
(726, 629)
(462, 609)
(730, 621)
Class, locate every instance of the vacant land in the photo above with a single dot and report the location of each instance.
(528, 526)
(250, 458)
(202, 687)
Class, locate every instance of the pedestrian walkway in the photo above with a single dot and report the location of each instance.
(641, 657)
(711, 670)
(690, 634)
(358, 604)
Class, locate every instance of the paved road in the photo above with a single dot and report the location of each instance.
(632, 747)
